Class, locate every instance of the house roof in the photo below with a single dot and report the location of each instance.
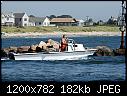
(9, 14)
(80, 20)
(87, 21)
(63, 20)
(19, 15)
(36, 19)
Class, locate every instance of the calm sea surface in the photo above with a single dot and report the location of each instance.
(88, 69)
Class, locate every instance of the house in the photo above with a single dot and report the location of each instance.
(7, 19)
(100, 22)
(21, 19)
(80, 22)
(39, 21)
(3, 19)
(112, 20)
(46, 21)
(89, 22)
(63, 22)
(119, 21)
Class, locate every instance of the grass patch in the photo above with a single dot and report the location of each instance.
(61, 29)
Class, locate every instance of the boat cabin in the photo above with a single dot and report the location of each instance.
(72, 46)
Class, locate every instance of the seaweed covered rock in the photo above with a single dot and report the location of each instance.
(3, 53)
(104, 51)
(119, 52)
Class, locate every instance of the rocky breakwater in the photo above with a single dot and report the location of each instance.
(49, 45)
(106, 51)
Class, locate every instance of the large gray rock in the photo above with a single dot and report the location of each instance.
(33, 47)
(12, 49)
(23, 49)
(104, 51)
(41, 44)
(53, 43)
(7, 50)
(3, 53)
(119, 52)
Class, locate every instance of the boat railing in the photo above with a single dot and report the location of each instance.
(71, 43)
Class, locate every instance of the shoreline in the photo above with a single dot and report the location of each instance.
(38, 34)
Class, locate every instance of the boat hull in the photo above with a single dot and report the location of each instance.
(52, 55)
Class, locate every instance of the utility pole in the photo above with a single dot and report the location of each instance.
(87, 20)
(122, 28)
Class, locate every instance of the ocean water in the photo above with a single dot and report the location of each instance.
(88, 69)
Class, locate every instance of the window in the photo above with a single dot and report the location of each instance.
(44, 23)
(39, 23)
(7, 18)
(25, 19)
(25, 24)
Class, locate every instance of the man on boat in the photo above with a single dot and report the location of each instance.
(63, 43)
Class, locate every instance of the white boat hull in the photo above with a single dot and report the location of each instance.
(52, 55)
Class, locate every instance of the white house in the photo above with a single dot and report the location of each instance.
(7, 19)
(39, 21)
(3, 19)
(100, 22)
(46, 21)
(80, 22)
(119, 21)
(21, 19)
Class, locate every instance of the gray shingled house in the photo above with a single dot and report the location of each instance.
(21, 19)
(39, 21)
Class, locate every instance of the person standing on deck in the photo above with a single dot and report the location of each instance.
(63, 43)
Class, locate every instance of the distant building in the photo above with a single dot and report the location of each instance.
(7, 19)
(119, 21)
(80, 22)
(89, 22)
(100, 22)
(39, 21)
(21, 19)
(63, 22)
(112, 20)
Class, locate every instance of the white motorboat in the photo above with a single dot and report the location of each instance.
(73, 51)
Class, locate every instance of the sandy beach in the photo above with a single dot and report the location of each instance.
(36, 34)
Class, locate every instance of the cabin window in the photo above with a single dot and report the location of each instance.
(25, 19)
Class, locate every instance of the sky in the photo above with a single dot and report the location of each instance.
(97, 10)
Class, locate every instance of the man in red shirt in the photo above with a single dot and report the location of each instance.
(63, 43)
